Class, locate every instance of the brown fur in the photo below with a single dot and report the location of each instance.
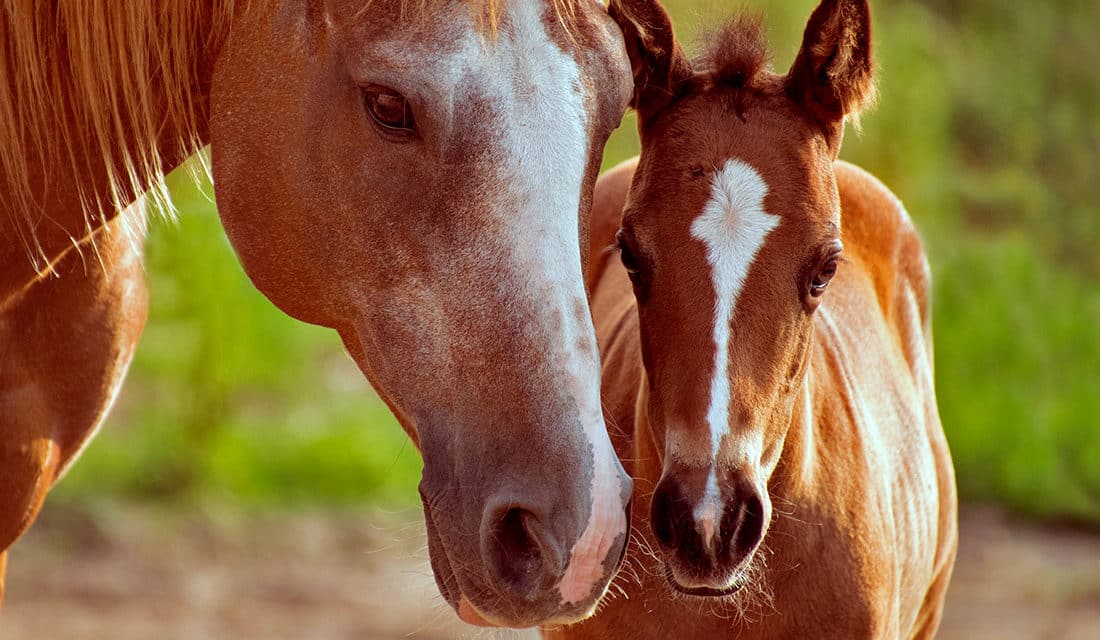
(737, 53)
(862, 533)
(130, 71)
(58, 380)
(405, 248)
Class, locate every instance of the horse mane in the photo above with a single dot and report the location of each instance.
(80, 76)
(737, 52)
(488, 12)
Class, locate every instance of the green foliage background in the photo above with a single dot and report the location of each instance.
(986, 127)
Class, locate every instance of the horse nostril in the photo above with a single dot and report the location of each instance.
(518, 552)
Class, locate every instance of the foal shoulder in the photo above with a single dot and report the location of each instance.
(879, 234)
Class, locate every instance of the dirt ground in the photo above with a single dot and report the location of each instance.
(129, 574)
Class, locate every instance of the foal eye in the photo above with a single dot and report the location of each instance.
(626, 254)
(824, 276)
(389, 110)
(633, 263)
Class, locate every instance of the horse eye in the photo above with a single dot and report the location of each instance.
(389, 110)
(823, 277)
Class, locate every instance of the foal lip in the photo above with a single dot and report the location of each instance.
(703, 592)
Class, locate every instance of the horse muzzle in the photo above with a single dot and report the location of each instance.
(526, 570)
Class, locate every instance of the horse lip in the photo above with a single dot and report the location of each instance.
(470, 615)
(445, 577)
(626, 542)
(447, 581)
(704, 592)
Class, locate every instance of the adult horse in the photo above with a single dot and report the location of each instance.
(768, 339)
(415, 176)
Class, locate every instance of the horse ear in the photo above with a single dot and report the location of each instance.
(656, 57)
(832, 74)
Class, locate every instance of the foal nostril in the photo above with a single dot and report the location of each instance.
(671, 518)
(660, 518)
(520, 552)
(743, 526)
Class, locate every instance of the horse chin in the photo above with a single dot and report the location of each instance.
(442, 570)
(468, 614)
(732, 588)
(447, 581)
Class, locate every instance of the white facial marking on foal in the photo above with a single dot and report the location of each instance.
(733, 226)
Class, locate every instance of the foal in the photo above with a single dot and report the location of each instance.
(768, 338)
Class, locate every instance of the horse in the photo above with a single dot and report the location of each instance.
(415, 174)
(767, 351)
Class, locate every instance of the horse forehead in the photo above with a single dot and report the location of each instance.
(453, 48)
(531, 64)
(522, 97)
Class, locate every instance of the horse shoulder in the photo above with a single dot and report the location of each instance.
(66, 343)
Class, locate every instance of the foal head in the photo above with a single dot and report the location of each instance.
(731, 234)
(418, 178)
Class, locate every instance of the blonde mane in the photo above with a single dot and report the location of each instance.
(81, 76)
(488, 11)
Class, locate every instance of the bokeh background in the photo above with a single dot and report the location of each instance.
(247, 449)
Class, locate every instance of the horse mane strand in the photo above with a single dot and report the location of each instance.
(81, 76)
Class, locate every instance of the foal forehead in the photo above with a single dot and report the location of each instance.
(715, 153)
(734, 223)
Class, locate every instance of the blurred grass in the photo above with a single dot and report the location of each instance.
(987, 129)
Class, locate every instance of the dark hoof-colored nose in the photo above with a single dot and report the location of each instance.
(520, 552)
(708, 538)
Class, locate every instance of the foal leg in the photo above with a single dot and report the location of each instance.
(65, 344)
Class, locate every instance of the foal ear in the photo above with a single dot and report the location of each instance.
(656, 57)
(832, 74)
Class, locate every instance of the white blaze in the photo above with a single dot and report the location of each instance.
(548, 137)
(540, 149)
(733, 226)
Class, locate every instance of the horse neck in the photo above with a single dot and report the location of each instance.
(104, 110)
